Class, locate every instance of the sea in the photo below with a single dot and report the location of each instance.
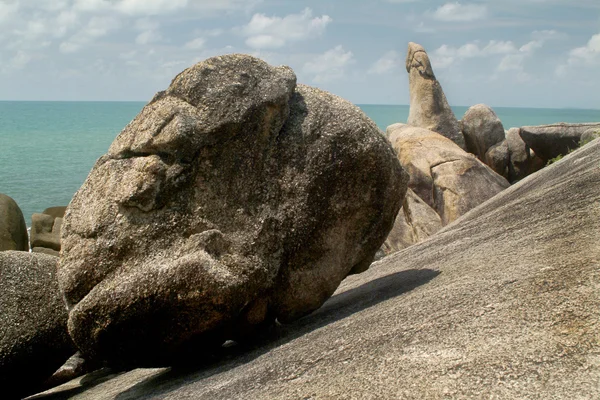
(48, 148)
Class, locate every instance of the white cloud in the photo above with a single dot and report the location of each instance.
(584, 56)
(96, 28)
(445, 55)
(195, 44)
(458, 12)
(330, 65)
(149, 31)
(265, 32)
(388, 62)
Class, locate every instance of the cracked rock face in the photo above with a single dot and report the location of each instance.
(235, 197)
(429, 107)
(447, 178)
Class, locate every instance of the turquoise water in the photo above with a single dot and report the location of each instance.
(48, 148)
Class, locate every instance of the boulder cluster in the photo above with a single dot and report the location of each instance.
(238, 200)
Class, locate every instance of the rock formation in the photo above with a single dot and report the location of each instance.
(33, 322)
(448, 179)
(482, 129)
(56, 212)
(45, 234)
(13, 231)
(523, 160)
(429, 108)
(550, 141)
(503, 304)
(235, 197)
(415, 222)
(498, 159)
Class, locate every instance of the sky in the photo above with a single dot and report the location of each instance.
(511, 53)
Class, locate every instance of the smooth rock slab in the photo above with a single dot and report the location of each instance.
(33, 322)
(235, 197)
(502, 304)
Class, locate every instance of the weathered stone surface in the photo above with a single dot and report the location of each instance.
(502, 304)
(234, 198)
(429, 108)
(415, 222)
(56, 212)
(13, 231)
(45, 231)
(33, 322)
(589, 135)
(550, 141)
(498, 159)
(482, 129)
(447, 178)
(523, 161)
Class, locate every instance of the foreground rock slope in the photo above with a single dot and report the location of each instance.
(503, 303)
(235, 197)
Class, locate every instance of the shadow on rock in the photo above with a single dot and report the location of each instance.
(335, 309)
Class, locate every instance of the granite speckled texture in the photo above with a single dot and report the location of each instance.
(503, 303)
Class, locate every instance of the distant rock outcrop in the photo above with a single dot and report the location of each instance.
(503, 304)
(45, 233)
(482, 129)
(429, 108)
(33, 323)
(550, 141)
(235, 197)
(447, 178)
(13, 231)
(523, 161)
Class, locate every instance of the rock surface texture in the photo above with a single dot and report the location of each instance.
(33, 322)
(13, 231)
(429, 108)
(550, 141)
(504, 303)
(447, 178)
(415, 222)
(235, 197)
(482, 129)
(523, 161)
(45, 232)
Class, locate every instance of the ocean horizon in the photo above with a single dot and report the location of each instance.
(49, 147)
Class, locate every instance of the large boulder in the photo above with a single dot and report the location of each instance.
(522, 160)
(447, 178)
(429, 108)
(482, 129)
(13, 231)
(235, 197)
(502, 304)
(34, 340)
(415, 222)
(550, 141)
